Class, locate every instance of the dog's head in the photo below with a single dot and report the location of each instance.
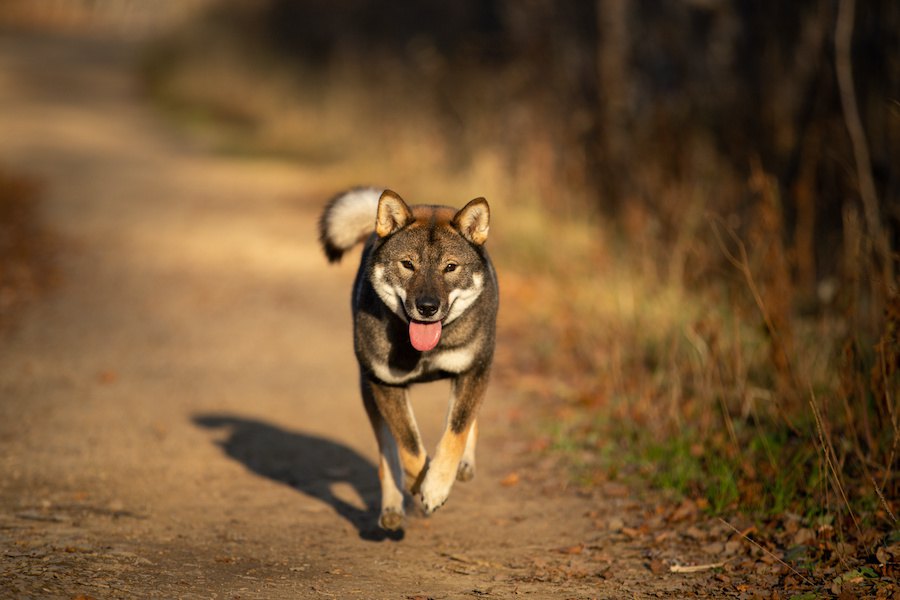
(429, 267)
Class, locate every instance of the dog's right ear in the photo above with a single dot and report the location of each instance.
(393, 213)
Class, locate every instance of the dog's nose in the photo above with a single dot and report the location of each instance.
(427, 305)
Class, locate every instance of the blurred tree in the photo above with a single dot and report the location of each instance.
(634, 97)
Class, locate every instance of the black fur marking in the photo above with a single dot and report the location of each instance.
(460, 421)
(468, 389)
(432, 230)
(410, 441)
(390, 401)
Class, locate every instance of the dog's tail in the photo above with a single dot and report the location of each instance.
(348, 220)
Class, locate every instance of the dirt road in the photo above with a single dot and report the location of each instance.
(180, 418)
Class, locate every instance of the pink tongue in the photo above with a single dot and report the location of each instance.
(424, 336)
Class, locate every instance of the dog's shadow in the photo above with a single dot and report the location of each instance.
(307, 463)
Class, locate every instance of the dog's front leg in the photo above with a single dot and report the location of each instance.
(466, 470)
(466, 395)
(402, 456)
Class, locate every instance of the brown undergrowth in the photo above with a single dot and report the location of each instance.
(723, 384)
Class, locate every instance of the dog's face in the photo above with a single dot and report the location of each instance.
(428, 269)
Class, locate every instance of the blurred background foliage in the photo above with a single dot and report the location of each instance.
(696, 211)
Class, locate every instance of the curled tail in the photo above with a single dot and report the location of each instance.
(348, 219)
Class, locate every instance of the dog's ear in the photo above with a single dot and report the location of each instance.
(393, 213)
(474, 220)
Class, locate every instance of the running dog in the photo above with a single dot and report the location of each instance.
(424, 306)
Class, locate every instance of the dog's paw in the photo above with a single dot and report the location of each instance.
(466, 471)
(391, 519)
(435, 490)
(431, 503)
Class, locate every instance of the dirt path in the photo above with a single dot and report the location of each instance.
(180, 417)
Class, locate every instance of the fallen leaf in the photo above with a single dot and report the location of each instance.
(696, 533)
(804, 536)
(685, 510)
(713, 548)
(107, 377)
(615, 490)
(657, 566)
(662, 537)
(539, 445)
(510, 480)
(732, 547)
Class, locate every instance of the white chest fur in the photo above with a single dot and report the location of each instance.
(455, 360)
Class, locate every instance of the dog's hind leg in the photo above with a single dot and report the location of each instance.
(467, 392)
(402, 456)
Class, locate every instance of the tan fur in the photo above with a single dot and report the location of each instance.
(466, 469)
(451, 446)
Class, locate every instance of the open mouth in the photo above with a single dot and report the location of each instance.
(424, 336)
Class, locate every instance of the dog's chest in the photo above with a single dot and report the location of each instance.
(435, 363)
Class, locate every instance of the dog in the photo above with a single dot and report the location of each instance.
(424, 307)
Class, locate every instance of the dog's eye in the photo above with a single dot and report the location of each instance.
(450, 267)
(407, 264)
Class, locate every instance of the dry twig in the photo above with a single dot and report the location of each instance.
(694, 568)
(828, 451)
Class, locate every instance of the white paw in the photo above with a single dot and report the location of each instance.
(435, 488)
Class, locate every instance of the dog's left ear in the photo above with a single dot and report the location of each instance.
(474, 220)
